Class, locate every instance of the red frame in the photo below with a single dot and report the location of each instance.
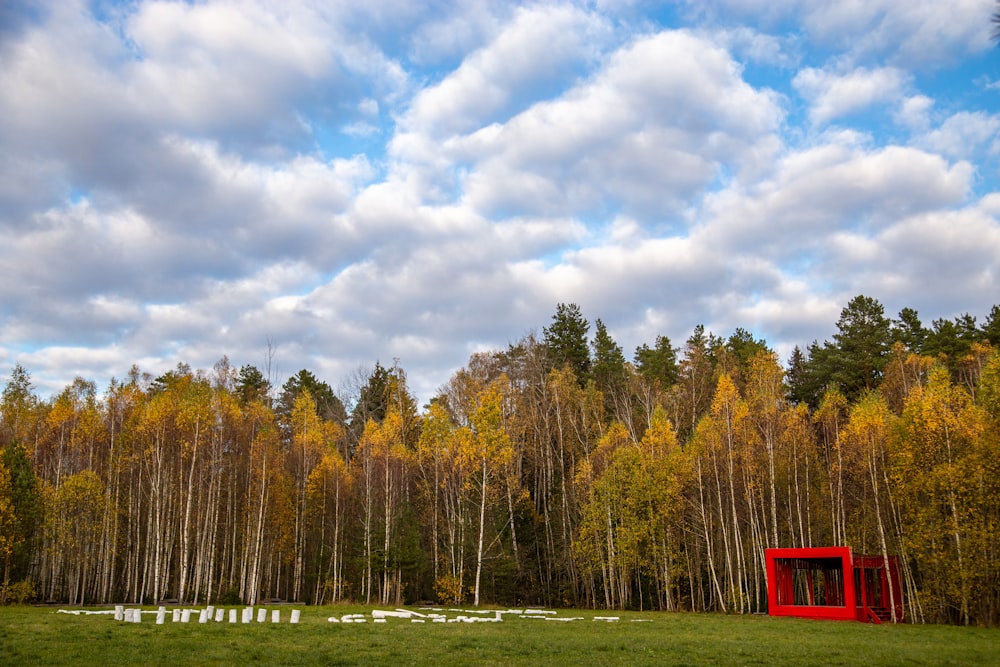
(862, 595)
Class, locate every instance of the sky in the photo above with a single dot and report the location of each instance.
(329, 184)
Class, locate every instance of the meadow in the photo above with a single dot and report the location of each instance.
(40, 635)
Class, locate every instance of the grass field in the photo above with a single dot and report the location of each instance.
(40, 636)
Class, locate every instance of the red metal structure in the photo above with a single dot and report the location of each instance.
(832, 583)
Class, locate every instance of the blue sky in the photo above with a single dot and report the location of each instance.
(421, 181)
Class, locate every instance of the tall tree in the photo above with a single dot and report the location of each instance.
(373, 400)
(487, 457)
(251, 385)
(27, 506)
(658, 363)
(795, 377)
(862, 345)
(991, 327)
(566, 341)
(328, 406)
(610, 373)
(908, 330)
(10, 537)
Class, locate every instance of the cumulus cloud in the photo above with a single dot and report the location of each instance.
(356, 183)
(925, 34)
(648, 130)
(964, 133)
(832, 95)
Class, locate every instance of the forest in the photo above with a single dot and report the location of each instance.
(553, 472)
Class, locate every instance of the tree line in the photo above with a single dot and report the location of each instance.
(551, 472)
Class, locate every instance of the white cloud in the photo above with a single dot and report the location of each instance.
(914, 112)
(963, 134)
(832, 95)
(917, 33)
(183, 181)
(649, 130)
(539, 47)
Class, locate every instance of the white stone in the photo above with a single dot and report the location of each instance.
(136, 615)
(232, 615)
(261, 615)
(247, 614)
(211, 610)
(219, 614)
(411, 612)
(176, 616)
(333, 619)
(119, 612)
(203, 616)
(276, 616)
(379, 620)
(295, 616)
(185, 616)
(161, 614)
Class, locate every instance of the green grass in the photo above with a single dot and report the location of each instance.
(32, 636)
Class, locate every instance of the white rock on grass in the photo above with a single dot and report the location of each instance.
(261, 615)
(295, 616)
(276, 616)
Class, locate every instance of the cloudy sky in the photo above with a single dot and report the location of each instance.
(368, 181)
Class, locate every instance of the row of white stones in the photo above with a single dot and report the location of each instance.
(437, 615)
(134, 615)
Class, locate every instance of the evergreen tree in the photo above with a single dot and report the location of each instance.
(796, 377)
(909, 331)
(609, 362)
(991, 327)
(658, 363)
(566, 341)
(328, 406)
(373, 399)
(861, 346)
(251, 385)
